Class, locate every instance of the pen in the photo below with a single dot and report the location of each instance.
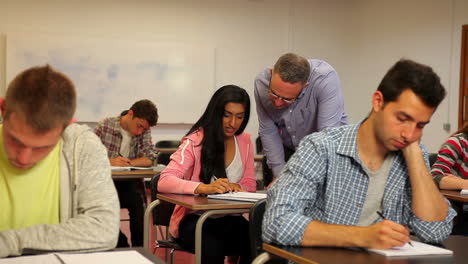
(382, 216)
(216, 178)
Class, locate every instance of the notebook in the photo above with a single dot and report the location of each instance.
(116, 168)
(114, 257)
(418, 249)
(464, 191)
(239, 196)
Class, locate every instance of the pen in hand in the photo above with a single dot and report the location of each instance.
(216, 178)
(382, 216)
(127, 161)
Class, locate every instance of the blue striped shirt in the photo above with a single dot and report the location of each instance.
(318, 106)
(325, 181)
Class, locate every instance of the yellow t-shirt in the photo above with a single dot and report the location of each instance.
(29, 197)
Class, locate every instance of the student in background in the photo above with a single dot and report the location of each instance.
(334, 187)
(450, 172)
(128, 141)
(55, 190)
(216, 156)
(295, 98)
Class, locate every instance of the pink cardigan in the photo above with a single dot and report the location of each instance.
(182, 175)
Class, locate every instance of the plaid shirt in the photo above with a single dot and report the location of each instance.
(108, 130)
(325, 181)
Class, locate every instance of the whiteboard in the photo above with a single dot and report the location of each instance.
(111, 74)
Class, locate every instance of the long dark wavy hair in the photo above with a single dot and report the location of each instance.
(212, 154)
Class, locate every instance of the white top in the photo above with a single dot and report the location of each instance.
(125, 145)
(234, 170)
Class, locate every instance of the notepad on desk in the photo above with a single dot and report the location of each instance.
(418, 249)
(114, 257)
(117, 168)
(239, 196)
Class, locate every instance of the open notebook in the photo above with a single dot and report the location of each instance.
(239, 196)
(116, 168)
(418, 249)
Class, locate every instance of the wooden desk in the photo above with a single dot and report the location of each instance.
(145, 253)
(195, 202)
(258, 158)
(166, 150)
(136, 174)
(329, 255)
(454, 195)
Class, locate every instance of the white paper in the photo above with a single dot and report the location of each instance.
(417, 249)
(464, 191)
(117, 168)
(239, 196)
(114, 257)
(35, 259)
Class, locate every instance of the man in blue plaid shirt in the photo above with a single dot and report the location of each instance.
(368, 184)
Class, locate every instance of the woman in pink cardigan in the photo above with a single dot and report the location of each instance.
(215, 156)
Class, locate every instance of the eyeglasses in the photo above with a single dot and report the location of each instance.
(274, 96)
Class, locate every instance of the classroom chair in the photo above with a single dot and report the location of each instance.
(255, 232)
(164, 156)
(161, 218)
(255, 227)
(432, 158)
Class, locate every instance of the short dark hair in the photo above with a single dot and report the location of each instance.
(419, 78)
(292, 68)
(146, 110)
(45, 97)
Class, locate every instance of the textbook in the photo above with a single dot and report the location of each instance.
(418, 249)
(464, 191)
(239, 196)
(117, 168)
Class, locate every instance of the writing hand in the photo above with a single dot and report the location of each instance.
(120, 162)
(218, 186)
(386, 234)
(236, 187)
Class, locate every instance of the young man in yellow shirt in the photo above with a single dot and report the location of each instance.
(56, 192)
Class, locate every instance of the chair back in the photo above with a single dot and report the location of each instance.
(258, 145)
(164, 156)
(432, 158)
(255, 227)
(163, 212)
(167, 144)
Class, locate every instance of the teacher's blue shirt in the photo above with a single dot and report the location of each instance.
(319, 105)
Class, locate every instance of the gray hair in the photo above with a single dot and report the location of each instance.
(292, 68)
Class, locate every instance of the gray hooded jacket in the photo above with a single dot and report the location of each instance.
(89, 206)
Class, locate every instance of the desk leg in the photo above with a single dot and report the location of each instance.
(262, 258)
(201, 220)
(146, 224)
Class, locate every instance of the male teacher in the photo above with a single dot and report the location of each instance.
(295, 98)
(56, 193)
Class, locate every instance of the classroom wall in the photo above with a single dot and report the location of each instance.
(360, 38)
